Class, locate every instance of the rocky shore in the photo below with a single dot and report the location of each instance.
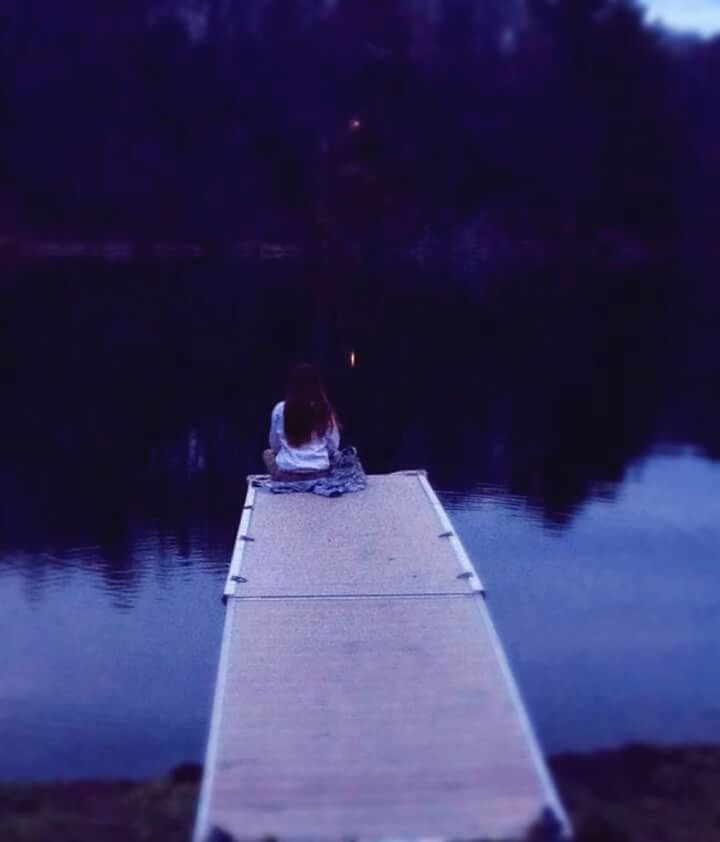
(634, 794)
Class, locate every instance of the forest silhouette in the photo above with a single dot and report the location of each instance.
(303, 120)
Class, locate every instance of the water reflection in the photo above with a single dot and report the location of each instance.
(613, 624)
(136, 401)
(108, 679)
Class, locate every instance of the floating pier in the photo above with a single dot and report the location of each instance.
(362, 691)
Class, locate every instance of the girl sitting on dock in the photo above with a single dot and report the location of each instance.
(304, 432)
(304, 453)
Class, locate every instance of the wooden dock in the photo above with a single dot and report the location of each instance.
(362, 691)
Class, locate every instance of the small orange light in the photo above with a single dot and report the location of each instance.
(355, 125)
(352, 359)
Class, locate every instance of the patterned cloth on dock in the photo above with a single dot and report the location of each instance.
(346, 475)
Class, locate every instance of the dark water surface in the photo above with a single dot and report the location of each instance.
(570, 419)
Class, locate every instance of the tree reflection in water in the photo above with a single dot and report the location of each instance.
(137, 398)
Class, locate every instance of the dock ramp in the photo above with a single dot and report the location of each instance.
(362, 692)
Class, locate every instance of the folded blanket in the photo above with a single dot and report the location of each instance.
(346, 475)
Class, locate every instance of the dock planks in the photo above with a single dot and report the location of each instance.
(362, 691)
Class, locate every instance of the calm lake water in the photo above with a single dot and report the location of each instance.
(570, 419)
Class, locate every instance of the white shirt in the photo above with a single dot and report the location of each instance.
(314, 455)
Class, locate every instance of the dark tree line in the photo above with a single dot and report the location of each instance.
(226, 119)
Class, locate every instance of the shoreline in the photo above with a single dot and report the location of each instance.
(638, 793)
(479, 241)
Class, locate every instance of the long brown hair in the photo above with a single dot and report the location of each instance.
(308, 411)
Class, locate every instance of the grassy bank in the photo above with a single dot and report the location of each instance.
(636, 794)
(643, 794)
(101, 811)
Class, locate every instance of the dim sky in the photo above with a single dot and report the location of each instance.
(690, 15)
